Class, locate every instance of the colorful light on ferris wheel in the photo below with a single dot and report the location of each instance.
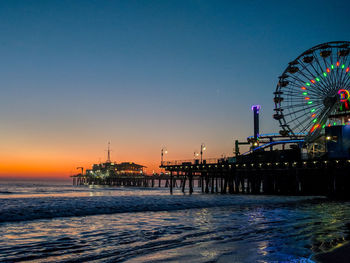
(315, 127)
(343, 95)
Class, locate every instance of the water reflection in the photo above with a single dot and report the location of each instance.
(242, 233)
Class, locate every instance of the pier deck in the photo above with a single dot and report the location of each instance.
(316, 177)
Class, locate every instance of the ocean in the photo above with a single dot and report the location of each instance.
(46, 222)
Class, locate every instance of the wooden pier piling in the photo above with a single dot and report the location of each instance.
(316, 177)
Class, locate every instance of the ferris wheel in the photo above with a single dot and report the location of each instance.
(313, 91)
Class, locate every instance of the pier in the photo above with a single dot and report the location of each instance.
(136, 180)
(219, 176)
(313, 112)
(321, 177)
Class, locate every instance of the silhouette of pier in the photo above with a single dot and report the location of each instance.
(316, 177)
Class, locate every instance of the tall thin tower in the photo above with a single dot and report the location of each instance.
(255, 109)
(109, 153)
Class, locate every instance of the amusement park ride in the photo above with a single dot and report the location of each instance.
(312, 105)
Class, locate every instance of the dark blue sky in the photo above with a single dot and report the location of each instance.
(75, 74)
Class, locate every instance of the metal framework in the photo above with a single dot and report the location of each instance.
(313, 89)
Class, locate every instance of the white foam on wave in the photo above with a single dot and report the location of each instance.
(22, 209)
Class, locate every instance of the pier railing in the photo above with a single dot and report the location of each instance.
(193, 161)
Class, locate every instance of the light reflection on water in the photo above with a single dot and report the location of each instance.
(44, 190)
(245, 229)
(244, 233)
(29, 190)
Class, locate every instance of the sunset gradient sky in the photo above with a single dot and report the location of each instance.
(144, 74)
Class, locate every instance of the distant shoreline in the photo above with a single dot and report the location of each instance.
(36, 180)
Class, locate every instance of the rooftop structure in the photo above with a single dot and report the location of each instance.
(113, 169)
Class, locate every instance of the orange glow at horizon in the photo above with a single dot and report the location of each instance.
(53, 168)
(59, 165)
(62, 166)
(37, 153)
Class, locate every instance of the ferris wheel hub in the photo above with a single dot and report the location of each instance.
(329, 101)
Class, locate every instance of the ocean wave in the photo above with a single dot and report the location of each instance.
(23, 209)
(7, 192)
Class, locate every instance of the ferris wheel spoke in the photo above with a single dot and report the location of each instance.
(338, 70)
(333, 76)
(303, 122)
(305, 72)
(320, 87)
(303, 125)
(319, 77)
(333, 83)
(345, 78)
(301, 103)
(303, 110)
(311, 94)
(320, 119)
(296, 82)
(328, 68)
(326, 80)
(300, 115)
(345, 61)
(318, 71)
(312, 77)
(346, 82)
(302, 84)
(302, 93)
(294, 85)
(300, 118)
(304, 100)
(298, 105)
(321, 69)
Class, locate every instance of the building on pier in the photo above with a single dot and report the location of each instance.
(114, 169)
(110, 169)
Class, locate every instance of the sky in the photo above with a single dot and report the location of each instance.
(144, 75)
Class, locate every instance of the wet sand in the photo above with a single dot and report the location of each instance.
(339, 255)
